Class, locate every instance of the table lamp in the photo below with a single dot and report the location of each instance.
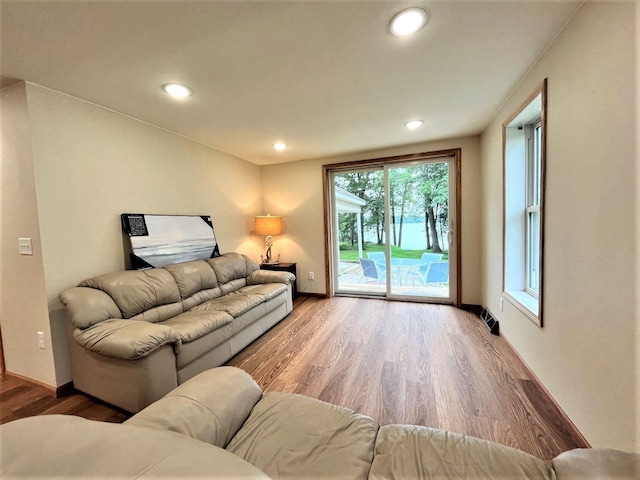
(268, 225)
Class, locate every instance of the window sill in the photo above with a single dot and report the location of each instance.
(525, 303)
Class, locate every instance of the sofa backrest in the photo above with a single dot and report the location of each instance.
(156, 294)
(137, 291)
(197, 282)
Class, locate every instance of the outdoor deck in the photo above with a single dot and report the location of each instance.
(351, 279)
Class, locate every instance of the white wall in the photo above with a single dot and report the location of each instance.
(585, 354)
(91, 165)
(637, 60)
(295, 191)
(23, 305)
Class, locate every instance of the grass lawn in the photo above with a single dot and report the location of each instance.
(396, 252)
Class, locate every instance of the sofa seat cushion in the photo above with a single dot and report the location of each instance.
(410, 451)
(195, 324)
(235, 304)
(292, 436)
(70, 447)
(126, 339)
(192, 351)
(267, 290)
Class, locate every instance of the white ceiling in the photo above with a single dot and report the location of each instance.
(325, 77)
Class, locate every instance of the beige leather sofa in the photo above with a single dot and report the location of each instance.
(219, 425)
(136, 335)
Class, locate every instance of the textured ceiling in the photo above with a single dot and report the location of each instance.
(326, 78)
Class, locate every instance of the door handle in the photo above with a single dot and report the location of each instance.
(450, 237)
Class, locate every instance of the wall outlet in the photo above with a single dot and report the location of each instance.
(41, 340)
(501, 304)
(312, 276)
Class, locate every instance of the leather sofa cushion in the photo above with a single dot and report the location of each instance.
(267, 290)
(204, 345)
(191, 277)
(137, 291)
(235, 304)
(410, 451)
(159, 314)
(210, 407)
(65, 446)
(233, 285)
(201, 297)
(292, 436)
(597, 463)
(192, 325)
(228, 267)
(126, 339)
(232, 266)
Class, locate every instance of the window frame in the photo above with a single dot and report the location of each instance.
(524, 166)
(533, 134)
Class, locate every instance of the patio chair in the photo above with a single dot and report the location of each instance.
(427, 258)
(378, 257)
(438, 273)
(381, 263)
(421, 272)
(370, 270)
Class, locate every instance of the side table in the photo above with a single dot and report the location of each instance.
(285, 267)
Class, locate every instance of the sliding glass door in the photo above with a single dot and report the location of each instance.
(393, 230)
(359, 204)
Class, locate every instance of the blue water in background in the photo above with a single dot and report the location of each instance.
(176, 252)
(413, 236)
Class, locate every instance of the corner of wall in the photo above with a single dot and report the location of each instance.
(637, 163)
(23, 304)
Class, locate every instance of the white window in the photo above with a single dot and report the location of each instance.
(524, 155)
(533, 134)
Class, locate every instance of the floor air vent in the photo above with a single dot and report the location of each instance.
(492, 323)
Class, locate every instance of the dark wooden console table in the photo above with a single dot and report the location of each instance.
(285, 267)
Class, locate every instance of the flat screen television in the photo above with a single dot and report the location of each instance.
(159, 240)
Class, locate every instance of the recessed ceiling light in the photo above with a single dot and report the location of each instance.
(413, 124)
(280, 146)
(177, 90)
(408, 21)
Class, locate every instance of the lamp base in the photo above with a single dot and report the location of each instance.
(266, 260)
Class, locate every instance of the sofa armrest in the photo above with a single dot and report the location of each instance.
(596, 464)
(269, 276)
(210, 407)
(66, 446)
(88, 306)
(126, 339)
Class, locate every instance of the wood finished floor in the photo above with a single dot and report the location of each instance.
(409, 363)
(19, 399)
(397, 362)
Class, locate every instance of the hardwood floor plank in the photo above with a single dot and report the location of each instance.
(393, 387)
(554, 422)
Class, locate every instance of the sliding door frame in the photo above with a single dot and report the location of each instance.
(327, 169)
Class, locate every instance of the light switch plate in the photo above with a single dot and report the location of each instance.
(24, 245)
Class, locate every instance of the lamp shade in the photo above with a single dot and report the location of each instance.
(268, 225)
